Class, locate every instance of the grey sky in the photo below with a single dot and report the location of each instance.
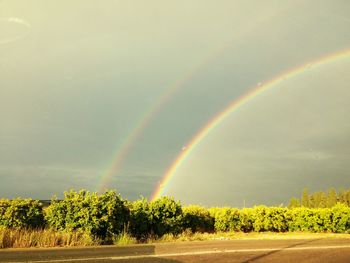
(78, 80)
(292, 136)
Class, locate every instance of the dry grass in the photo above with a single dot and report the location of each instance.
(189, 236)
(24, 238)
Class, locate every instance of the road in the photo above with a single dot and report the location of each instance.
(297, 250)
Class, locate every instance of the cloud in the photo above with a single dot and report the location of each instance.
(14, 33)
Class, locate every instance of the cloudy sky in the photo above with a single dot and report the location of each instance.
(106, 94)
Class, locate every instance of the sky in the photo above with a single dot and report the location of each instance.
(107, 94)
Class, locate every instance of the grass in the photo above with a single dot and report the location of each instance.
(189, 236)
(25, 238)
(124, 239)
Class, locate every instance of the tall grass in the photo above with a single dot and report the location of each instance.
(124, 239)
(24, 238)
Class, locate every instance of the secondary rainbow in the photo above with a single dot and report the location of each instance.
(232, 107)
(124, 148)
(128, 143)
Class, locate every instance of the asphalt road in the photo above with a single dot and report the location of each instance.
(310, 250)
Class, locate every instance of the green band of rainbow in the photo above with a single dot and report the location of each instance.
(233, 106)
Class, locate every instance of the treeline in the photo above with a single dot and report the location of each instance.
(103, 216)
(321, 199)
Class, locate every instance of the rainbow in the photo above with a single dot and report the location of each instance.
(234, 106)
(125, 147)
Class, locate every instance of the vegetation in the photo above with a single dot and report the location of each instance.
(321, 199)
(22, 238)
(84, 218)
(101, 216)
(21, 213)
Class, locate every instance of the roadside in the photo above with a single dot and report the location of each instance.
(228, 250)
(188, 236)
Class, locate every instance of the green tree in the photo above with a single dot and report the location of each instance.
(332, 197)
(318, 200)
(305, 198)
(294, 202)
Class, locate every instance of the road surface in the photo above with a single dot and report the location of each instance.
(297, 250)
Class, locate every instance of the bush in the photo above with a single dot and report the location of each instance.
(340, 222)
(140, 220)
(227, 219)
(109, 218)
(21, 213)
(269, 219)
(198, 219)
(99, 215)
(247, 219)
(165, 216)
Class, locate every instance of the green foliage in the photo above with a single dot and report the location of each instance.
(340, 219)
(335, 219)
(305, 198)
(21, 213)
(227, 219)
(332, 198)
(198, 219)
(247, 218)
(108, 218)
(298, 219)
(99, 215)
(281, 219)
(140, 220)
(269, 219)
(123, 239)
(321, 199)
(344, 197)
(165, 216)
(294, 202)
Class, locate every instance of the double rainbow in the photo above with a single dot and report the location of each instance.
(234, 106)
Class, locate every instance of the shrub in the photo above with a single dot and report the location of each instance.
(340, 222)
(247, 219)
(165, 216)
(140, 221)
(99, 215)
(227, 219)
(198, 219)
(269, 219)
(21, 213)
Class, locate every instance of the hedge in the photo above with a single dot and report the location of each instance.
(21, 213)
(105, 215)
(102, 215)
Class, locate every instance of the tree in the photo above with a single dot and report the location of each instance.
(305, 198)
(294, 202)
(332, 197)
